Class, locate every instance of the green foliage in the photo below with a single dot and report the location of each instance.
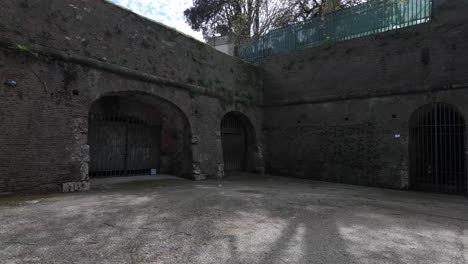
(242, 19)
(222, 17)
(26, 49)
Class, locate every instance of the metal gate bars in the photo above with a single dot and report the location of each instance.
(234, 141)
(122, 145)
(437, 149)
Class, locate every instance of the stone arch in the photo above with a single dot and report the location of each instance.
(239, 142)
(134, 133)
(437, 147)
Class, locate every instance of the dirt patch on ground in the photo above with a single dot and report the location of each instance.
(241, 219)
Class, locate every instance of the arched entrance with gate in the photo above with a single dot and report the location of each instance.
(239, 142)
(437, 149)
(138, 134)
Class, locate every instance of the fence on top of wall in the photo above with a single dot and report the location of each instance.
(372, 17)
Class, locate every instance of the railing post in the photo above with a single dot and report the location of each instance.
(263, 47)
(372, 17)
(295, 38)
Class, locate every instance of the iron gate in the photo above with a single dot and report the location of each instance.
(234, 142)
(122, 145)
(437, 149)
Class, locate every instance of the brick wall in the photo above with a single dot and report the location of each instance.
(90, 49)
(335, 112)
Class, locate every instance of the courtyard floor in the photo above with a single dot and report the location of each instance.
(242, 219)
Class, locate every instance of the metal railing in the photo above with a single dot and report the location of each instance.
(372, 17)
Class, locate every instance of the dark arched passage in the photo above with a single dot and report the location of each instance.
(437, 149)
(239, 142)
(138, 134)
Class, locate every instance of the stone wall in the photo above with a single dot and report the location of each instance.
(64, 55)
(337, 113)
(105, 32)
(341, 112)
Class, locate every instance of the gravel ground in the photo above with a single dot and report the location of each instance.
(242, 219)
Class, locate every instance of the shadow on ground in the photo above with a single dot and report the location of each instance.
(242, 219)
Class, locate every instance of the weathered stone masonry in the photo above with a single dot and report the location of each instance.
(338, 113)
(90, 49)
(341, 112)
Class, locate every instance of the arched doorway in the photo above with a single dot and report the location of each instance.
(238, 142)
(138, 134)
(437, 149)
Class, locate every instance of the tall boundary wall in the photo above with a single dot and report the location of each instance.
(58, 57)
(341, 112)
(336, 113)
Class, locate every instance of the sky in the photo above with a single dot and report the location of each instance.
(168, 12)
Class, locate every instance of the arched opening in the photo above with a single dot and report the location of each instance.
(138, 134)
(437, 149)
(239, 142)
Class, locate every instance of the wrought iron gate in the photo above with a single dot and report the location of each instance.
(122, 145)
(437, 149)
(234, 143)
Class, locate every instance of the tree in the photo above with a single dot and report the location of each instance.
(242, 19)
(239, 18)
(307, 9)
(222, 17)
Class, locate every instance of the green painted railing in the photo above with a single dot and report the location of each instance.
(372, 17)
